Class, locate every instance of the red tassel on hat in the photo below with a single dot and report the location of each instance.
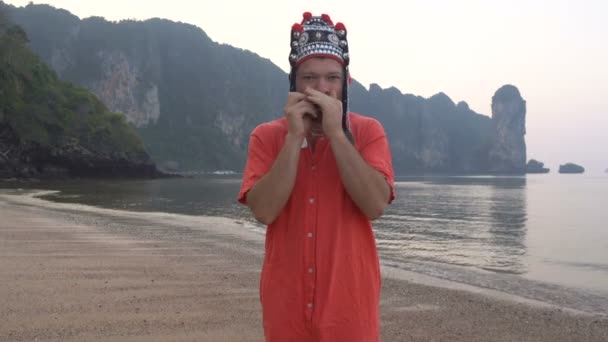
(297, 28)
(340, 26)
(326, 19)
(307, 16)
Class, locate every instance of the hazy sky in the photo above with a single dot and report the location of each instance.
(555, 52)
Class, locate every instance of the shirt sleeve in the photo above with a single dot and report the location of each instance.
(376, 152)
(259, 161)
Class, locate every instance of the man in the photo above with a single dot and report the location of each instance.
(317, 177)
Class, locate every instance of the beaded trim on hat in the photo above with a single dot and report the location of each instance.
(317, 36)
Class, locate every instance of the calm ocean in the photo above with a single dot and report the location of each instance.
(542, 237)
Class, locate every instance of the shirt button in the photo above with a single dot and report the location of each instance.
(311, 200)
(309, 305)
(310, 270)
(309, 235)
(314, 167)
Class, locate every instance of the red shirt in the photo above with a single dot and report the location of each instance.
(321, 276)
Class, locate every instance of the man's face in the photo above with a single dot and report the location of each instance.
(322, 74)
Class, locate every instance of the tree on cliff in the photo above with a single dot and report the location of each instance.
(45, 122)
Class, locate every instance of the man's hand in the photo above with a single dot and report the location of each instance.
(299, 113)
(331, 108)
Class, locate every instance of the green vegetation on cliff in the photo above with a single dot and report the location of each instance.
(46, 122)
(43, 109)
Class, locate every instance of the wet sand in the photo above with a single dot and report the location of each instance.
(67, 275)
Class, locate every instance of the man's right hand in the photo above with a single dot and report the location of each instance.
(299, 113)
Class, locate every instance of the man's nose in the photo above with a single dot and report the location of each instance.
(323, 86)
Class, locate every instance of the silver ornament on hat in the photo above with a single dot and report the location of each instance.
(296, 34)
(333, 39)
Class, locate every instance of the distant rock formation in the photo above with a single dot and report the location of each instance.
(508, 149)
(571, 168)
(195, 102)
(534, 166)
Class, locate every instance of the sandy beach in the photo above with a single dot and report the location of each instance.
(78, 275)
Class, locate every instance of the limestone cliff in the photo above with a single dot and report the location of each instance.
(195, 102)
(508, 150)
(121, 88)
(50, 128)
(427, 135)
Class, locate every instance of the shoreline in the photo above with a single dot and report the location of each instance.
(507, 287)
(74, 275)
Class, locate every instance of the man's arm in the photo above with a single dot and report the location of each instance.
(269, 195)
(366, 186)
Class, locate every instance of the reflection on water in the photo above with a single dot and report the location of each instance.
(508, 228)
(465, 221)
(547, 229)
(192, 196)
